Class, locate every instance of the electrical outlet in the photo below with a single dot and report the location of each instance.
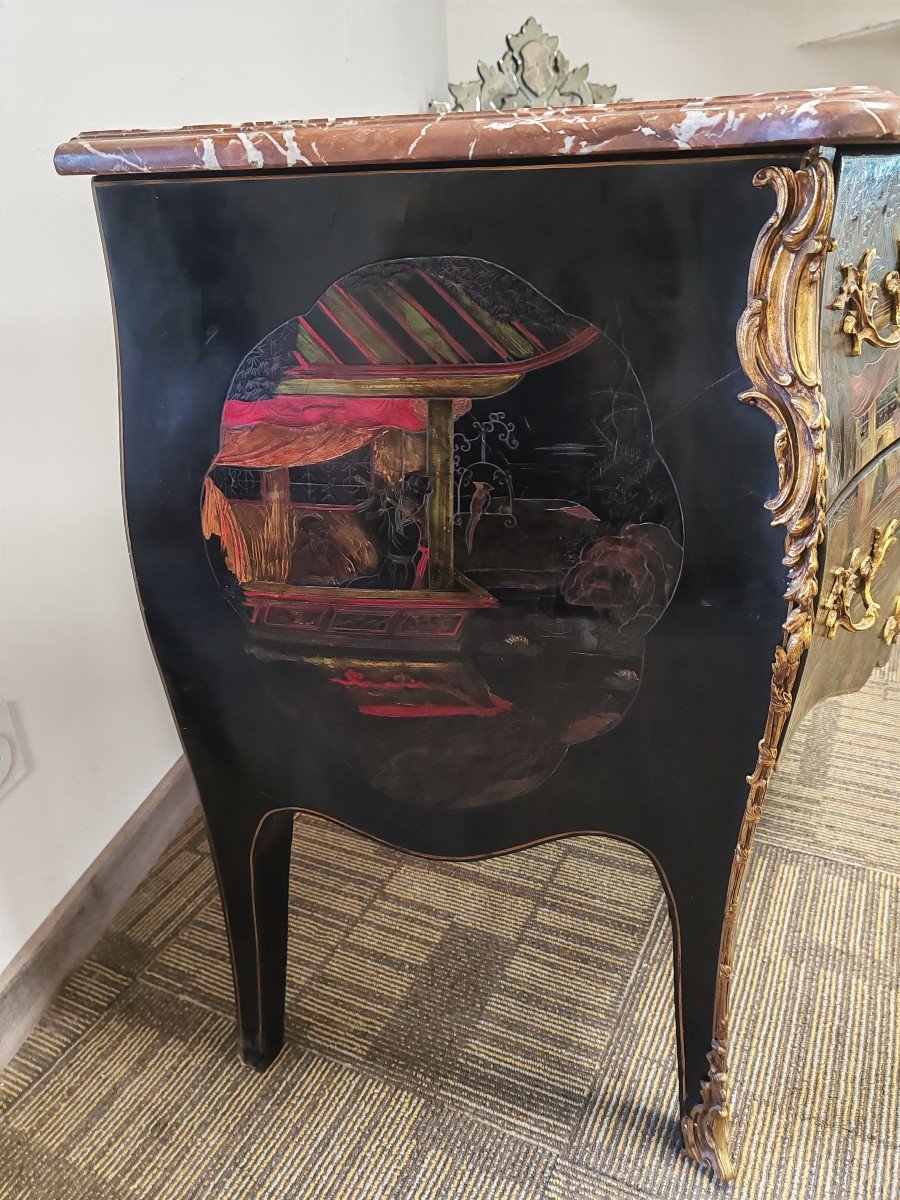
(13, 756)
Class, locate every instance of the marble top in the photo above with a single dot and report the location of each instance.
(803, 118)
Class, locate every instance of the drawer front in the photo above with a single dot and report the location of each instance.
(850, 639)
(860, 376)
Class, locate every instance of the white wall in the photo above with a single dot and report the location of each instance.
(73, 655)
(822, 21)
(660, 48)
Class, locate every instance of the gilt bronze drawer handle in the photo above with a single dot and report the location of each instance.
(891, 631)
(856, 579)
(866, 311)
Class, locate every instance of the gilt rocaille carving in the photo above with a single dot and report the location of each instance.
(778, 342)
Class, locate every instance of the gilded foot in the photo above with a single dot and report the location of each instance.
(707, 1127)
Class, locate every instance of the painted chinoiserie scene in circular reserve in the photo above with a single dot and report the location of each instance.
(392, 513)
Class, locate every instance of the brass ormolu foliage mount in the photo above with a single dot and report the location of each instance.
(532, 73)
(866, 310)
(778, 343)
(891, 632)
(856, 580)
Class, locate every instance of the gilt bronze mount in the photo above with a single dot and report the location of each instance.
(856, 580)
(532, 73)
(871, 310)
(891, 632)
(778, 344)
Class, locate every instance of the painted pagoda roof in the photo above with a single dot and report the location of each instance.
(442, 326)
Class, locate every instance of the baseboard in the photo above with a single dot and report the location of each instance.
(66, 938)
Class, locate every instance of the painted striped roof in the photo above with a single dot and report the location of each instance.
(412, 319)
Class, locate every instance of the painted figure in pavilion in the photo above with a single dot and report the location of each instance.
(385, 527)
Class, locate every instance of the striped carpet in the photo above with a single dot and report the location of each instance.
(496, 1030)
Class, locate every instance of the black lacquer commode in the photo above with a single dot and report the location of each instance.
(448, 523)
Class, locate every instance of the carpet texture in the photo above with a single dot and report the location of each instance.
(499, 1030)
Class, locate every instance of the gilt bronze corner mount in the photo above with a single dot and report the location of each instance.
(778, 344)
(707, 1130)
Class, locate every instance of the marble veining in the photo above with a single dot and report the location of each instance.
(831, 115)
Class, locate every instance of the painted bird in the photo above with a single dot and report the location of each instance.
(480, 499)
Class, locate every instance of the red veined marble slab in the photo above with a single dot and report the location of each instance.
(824, 115)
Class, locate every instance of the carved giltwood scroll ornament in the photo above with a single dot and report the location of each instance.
(869, 307)
(778, 343)
(856, 580)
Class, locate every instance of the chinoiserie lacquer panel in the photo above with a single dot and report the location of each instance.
(463, 580)
(490, 557)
